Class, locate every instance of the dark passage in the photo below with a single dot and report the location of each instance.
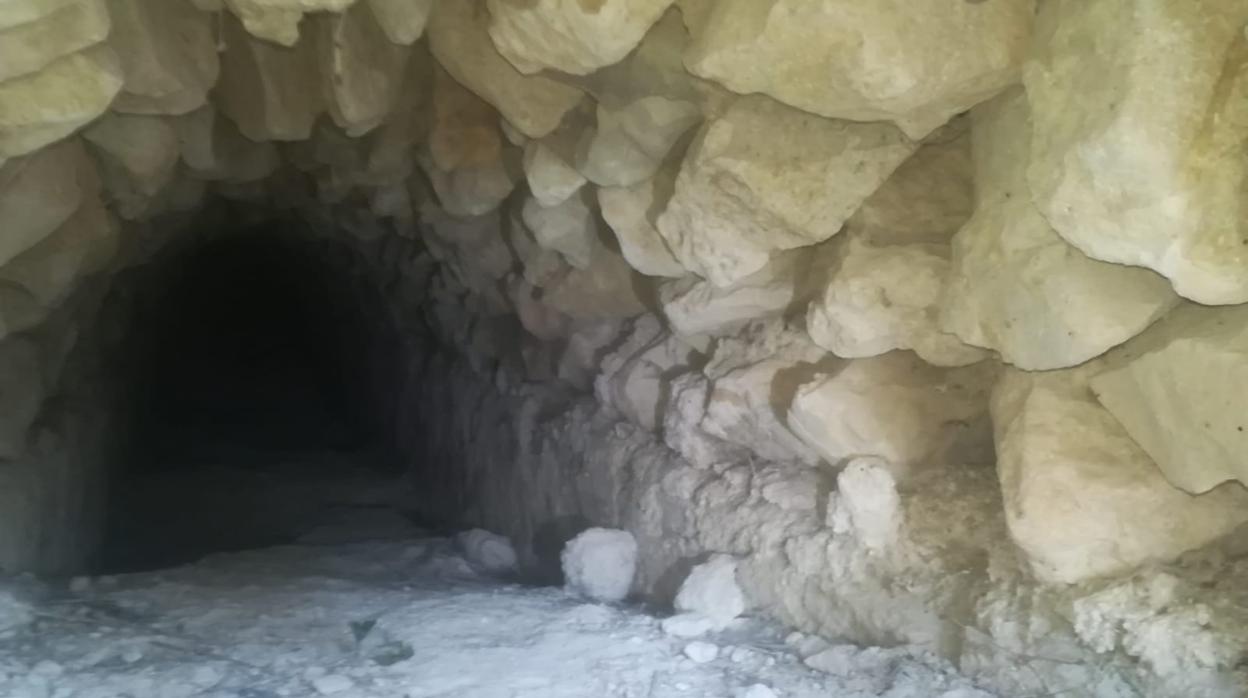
(259, 366)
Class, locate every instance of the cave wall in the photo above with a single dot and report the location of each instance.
(934, 315)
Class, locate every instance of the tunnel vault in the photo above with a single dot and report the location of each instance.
(932, 319)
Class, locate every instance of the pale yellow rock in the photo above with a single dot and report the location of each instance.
(1140, 114)
(17, 12)
(270, 92)
(278, 20)
(628, 145)
(213, 149)
(570, 227)
(915, 65)
(459, 40)
(390, 146)
(28, 47)
(38, 280)
(1082, 500)
(764, 177)
(572, 36)
(403, 20)
(654, 68)
(168, 53)
(361, 71)
(927, 199)
(551, 179)
(696, 306)
(46, 106)
(885, 298)
(894, 406)
(1016, 286)
(1178, 389)
(631, 212)
(138, 156)
(38, 192)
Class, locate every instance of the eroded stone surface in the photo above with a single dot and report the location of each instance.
(25, 48)
(1136, 158)
(695, 306)
(628, 145)
(270, 92)
(914, 65)
(168, 54)
(403, 20)
(1178, 391)
(137, 156)
(570, 35)
(765, 177)
(278, 20)
(1016, 286)
(460, 41)
(631, 212)
(212, 147)
(361, 70)
(1081, 498)
(43, 107)
(38, 192)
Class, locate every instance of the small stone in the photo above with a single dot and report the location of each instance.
(701, 652)
(687, 625)
(711, 590)
(332, 683)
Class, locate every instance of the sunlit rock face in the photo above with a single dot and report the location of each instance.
(925, 315)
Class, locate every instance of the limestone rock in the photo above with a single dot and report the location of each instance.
(461, 43)
(269, 91)
(570, 228)
(168, 53)
(137, 156)
(1082, 500)
(927, 199)
(278, 20)
(629, 144)
(392, 143)
(1178, 390)
(361, 71)
(15, 12)
(633, 377)
(914, 65)
(631, 212)
(885, 298)
(1016, 286)
(403, 20)
(212, 147)
(764, 177)
(570, 35)
(894, 406)
(41, 278)
(551, 179)
(866, 504)
(694, 306)
(22, 391)
(46, 106)
(38, 192)
(711, 590)
(600, 563)
(1135, 159)
(26, 48)
(607, 288)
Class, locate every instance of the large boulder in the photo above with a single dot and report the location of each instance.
(885, 298)
(895, 406)
(1016, 286)
(168, 53)
(764, 177)
(138, 156)
(916, 65)
(570, 227)
(1178, 389)
(277, 21)
(1082, 500)
(28, 47)
(459, 39)
(403, 20)
(48, 105)
(361, 71)
(631, 213)
(213, 149)
(570, 35)
(1137, 159)
(272, 93)
(38, 192)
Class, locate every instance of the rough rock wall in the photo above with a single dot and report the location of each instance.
(927, 313)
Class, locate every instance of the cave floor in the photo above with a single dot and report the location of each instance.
(364, 603)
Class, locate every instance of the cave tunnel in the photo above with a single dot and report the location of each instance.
(257, 362)
(627, 348)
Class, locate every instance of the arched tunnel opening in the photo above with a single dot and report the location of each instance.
(258, 397)
(628, 348)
